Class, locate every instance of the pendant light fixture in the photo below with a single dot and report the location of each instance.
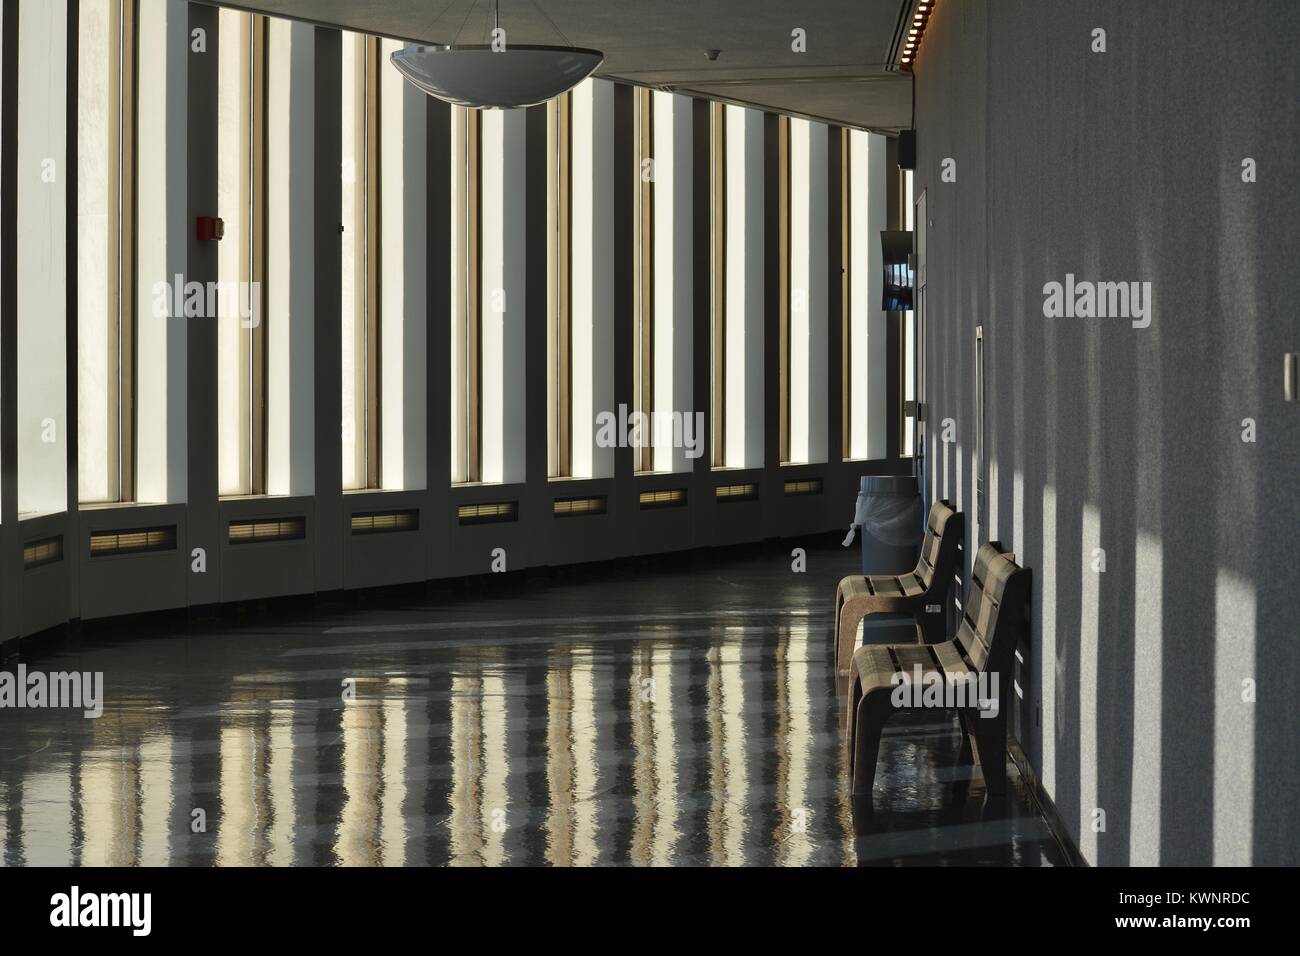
(497, 75)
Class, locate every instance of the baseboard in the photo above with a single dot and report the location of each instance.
(1044, 803)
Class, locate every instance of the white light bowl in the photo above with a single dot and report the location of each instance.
(479, 77)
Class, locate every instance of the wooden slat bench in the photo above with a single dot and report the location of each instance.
(920, 592)
(993, 616)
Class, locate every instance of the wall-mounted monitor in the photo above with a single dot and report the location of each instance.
(900, 277)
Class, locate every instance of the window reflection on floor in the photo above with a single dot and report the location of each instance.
(709, 732)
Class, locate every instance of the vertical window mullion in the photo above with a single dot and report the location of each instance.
(846, 289)
(650, 303)
(459, 287)
(719, 217)
(116, 209)
(467, 316)
(646, 272)
(783, 215)
(559, 340)
(353, 255)
(103, 103)
(248, 250)
(565, 383)
(553, 467)
(258, 256)
(247, 271)
(126, 242)
(372, 253)
(474, 336)
(641, 277)
(237, 253)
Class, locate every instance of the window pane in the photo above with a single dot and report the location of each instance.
(717, 278)
(403, 297)
(352, 282)
(591, 374)
(98, 202)
(465, 143)
(283, 396)
(744, 279)
(234, 172)
(672, 298)
(559, 267)
(487, 292)
(41, 257)
(867, 399)
(808, 291)
(643, 341)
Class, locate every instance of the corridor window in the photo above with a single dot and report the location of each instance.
(580, 283)
(489, 294)
(39, 223)
(403, 255)
(663, 310)
(804, 196)
(717, 276)
(784, 269)
(466, 308)
(643, 340)
(241, 199)
(106, 242)
(559, 324)
(863, 320)
(360, 252)
(738, 286)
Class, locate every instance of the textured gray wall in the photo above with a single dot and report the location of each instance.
(1126, 165)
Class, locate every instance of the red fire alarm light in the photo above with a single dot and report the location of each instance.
(209, 228)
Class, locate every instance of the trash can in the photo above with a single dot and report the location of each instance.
(889, 516)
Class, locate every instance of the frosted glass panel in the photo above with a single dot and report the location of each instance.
(98, 202)
(42, 258)
(234, 131)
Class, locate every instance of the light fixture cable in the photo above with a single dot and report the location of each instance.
(546, 17)
(434, 21)
(468, 14)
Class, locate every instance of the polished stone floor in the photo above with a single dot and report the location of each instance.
(681, 711)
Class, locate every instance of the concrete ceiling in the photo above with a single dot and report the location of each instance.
(662, 43)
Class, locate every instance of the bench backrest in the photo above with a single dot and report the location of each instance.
(943, 532)
(993, 610)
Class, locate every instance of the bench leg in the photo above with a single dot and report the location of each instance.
(851, 717)
(847, 627)
(865, 749)
(991, 743)
(835, 627)
(966, 754)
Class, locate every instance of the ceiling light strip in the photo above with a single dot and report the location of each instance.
(911, 46)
